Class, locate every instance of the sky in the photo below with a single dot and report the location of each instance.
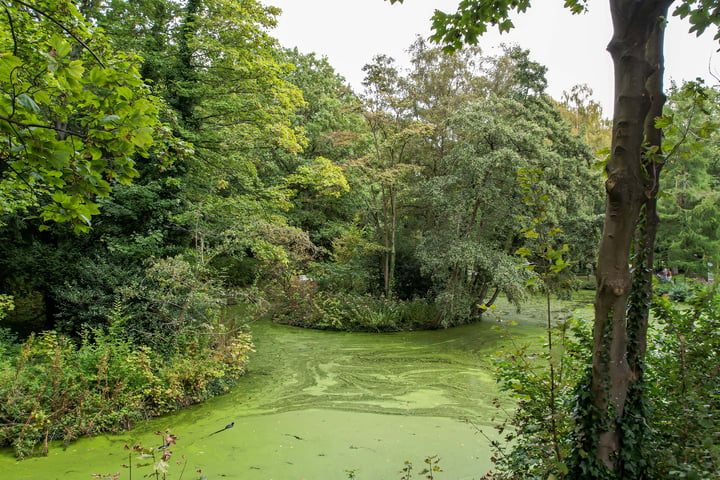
(351, 32)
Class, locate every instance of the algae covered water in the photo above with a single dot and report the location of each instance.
(317, 404)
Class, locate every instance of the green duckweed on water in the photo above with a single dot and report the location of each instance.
(315, 404)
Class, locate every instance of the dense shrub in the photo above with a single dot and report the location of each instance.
(684, 385)
(536, 437)
(56, 389)
(677, 290)
(303, 304)
(682, 390)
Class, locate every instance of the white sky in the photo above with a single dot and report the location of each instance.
(350, 32)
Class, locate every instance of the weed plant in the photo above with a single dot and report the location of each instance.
(54, 388)
(152, 462)
(682, 390)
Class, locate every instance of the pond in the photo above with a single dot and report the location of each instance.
(317, 404)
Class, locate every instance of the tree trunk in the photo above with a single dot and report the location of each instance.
(389, 201)
(638, 27)
(393, 239)
(386, 242)
(634, 426)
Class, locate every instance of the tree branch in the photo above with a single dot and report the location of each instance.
(12, 31)
(37, 125)
(63, 27)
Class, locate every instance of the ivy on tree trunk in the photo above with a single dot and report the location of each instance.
(630, 224)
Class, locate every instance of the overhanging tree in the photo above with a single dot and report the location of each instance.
(611, 428)
(74, 113)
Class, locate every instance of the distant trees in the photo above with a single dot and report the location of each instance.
(689, 232)
(449, 138)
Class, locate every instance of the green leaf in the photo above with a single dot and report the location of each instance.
(61, 198)
(60, 155)
(8, 63)
(75, 70)
(143, 137)
(112, 118)
(124, 93)
(98, 76)
(663, 122)
(61, 48)
(28, 103)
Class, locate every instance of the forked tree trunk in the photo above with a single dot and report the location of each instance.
(638, 27)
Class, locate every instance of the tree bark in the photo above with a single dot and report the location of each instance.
(637, 26)
(389, 201)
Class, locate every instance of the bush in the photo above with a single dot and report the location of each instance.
(55, 389)
(677, 290)
(537, 435)
(684, 385)
(681, 388)
(303, 304)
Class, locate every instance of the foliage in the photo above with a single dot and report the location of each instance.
(430, 471)
(398, 211)
(433, 466)
(495, 140)
(175, 305)
(543, 380)
(586, 117)
(72, 117)
(679, 289)
(615, 443)
(225, 218)
(554, 372)
(336, 135)
(302, 304)
(330, 116)
(155, 459)
(448, 137)
(55, 389)
(75, 279)
(389, 164)
(6, 305)
(688, 235)
(684, 385)
(544, 259)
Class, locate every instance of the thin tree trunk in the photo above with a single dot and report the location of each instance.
(389, 209)
(393, 237)
(639, 311)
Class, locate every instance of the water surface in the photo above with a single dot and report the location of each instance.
(315, 404)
